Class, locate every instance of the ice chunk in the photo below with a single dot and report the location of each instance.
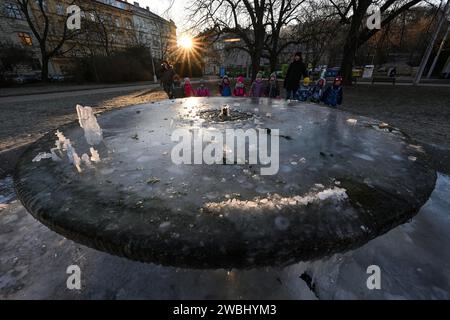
(95, 157)
(55, 157)
(42, 155)
(86, 160)
(88, 121)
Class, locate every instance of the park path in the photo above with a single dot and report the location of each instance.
(65, 94)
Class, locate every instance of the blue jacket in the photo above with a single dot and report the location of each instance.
(225, 91)
(303, 93)
(333, 96)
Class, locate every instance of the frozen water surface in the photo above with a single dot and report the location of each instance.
(334, 200)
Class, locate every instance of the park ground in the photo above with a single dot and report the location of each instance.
(414, 257)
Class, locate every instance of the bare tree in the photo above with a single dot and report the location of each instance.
(281, 14)
(45, 28)
(353, 14)
(245, 19)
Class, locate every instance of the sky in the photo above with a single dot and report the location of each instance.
(177, 12)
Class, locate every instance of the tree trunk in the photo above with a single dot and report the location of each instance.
(350, 47)
(44, 70)
(352, 41)
(256, 59)
(273, 63)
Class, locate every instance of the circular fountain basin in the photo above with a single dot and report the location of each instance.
(342, 180)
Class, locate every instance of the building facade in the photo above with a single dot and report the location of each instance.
(152, 31)
(17, 36)
(107, 26)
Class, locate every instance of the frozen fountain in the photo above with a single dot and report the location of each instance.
(342, 181)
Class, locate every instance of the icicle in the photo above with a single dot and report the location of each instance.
(88, 121)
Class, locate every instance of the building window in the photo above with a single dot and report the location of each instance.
(128, 23)
(25, 38)
(12, 10)
(117, 22)
(59, 9)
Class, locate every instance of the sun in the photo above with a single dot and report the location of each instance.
(186, 42)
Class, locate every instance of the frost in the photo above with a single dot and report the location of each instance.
(276, 202)
(88, 121)
(335, 193)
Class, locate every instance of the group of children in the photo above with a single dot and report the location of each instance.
(318, 92)
(257, 89)
(186, 90)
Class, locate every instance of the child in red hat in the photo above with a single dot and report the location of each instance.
(239, 89)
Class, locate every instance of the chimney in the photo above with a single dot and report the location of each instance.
(136, 4)
(148, 9)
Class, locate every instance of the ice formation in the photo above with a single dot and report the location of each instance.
(95, 157)
(276, 202)
(88, 121)
(42, 155)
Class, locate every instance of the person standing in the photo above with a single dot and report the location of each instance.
(272, 90)
(257, 88)
(167, 74)
(296, 70)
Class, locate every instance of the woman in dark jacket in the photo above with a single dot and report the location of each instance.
(296, 70)
(167, 74)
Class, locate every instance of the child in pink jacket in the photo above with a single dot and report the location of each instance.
(202, 91)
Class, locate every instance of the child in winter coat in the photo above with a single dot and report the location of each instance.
(272, 89)
(257, 88)
(203, 91)
(333, 94)
(225, 87)
(239, 89)
(304, 92)
(187, 87)
(317, 90)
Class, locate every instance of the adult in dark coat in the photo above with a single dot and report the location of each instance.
(296, 70)
(167, 74)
